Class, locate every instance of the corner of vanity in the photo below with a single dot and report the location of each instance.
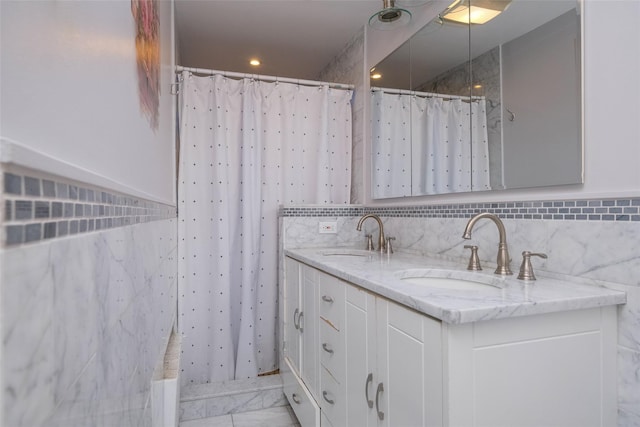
(362, 346)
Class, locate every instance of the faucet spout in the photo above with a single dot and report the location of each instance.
(381, 241)
(503, 259)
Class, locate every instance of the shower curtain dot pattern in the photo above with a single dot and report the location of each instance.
(428, 145)
(246, 148)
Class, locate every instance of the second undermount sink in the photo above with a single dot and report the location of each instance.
(443, 279)
(347, 252)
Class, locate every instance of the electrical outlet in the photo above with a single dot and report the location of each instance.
(328, 227)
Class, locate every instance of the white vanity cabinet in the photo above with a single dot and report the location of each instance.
(394, 366)
(300, 367)
(380, 363)
(333, 351)
(554, 369)
(374, 369)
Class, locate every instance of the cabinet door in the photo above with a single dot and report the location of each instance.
(303, 404)
(555, 369)
(308, 327)
(291, 313)
(410, 367)
(361, 375)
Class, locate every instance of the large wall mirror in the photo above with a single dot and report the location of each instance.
(474, 107)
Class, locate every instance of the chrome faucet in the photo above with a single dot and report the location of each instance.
(503, 252)
(381, 241)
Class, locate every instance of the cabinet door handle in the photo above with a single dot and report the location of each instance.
(329, 401)
(366, 390)
(380, 413)
(296, 320)
(327, 298)
(326, 348)
(295, 398)
(300, 323)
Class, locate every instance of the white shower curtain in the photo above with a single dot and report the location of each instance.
(430, 145)
(391, 144)
(246, 147)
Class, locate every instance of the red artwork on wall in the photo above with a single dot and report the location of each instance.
(145, 14)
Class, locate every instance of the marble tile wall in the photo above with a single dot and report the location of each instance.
(86, 315)
(592, 239)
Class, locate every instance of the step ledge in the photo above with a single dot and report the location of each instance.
(228, 388)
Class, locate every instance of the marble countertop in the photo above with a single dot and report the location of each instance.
(496, 297)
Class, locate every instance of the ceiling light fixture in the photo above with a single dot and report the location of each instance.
(390, 17)
(375, 75)
(254, 62)
(474, 11)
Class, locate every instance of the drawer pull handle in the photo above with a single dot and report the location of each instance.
(326, 348)
(295, 398)
(296, 320)
(366, 390)
(300, 316)
(327, 298)
(380, 390)
(329, 401)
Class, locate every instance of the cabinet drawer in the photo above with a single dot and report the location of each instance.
(332, 351)
(303, 404)
(332, 399)
(332, 296)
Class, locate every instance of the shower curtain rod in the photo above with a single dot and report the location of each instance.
(180, 68)
(424, 94)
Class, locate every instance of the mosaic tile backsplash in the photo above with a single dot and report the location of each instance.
(37, 209)
(581, 210)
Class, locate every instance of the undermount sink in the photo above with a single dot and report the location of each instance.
(442, 280)
(348, 252)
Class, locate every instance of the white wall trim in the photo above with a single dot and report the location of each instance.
(14, 153)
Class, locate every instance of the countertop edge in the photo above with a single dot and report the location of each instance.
(459, 308)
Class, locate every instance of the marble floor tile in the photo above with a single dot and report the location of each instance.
(220, 421)
(279, 416)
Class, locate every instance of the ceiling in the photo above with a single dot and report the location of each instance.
(439, 47)
(293, 38)
(299, 38)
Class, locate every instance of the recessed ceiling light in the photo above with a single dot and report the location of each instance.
(376, 76)
(254, 62)
(480, 12)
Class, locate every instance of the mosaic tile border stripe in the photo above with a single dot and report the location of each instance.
(567, 210)
(37, 208)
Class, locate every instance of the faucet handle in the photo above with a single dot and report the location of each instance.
(370, 246)
(474, 261)
(526, 269)
(389, 247)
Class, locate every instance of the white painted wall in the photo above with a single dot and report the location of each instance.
(611, 38)
(70, 90)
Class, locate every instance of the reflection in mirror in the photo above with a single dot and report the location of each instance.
(489, 106)
(532, 79)
(390, 125)
(420, 130)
